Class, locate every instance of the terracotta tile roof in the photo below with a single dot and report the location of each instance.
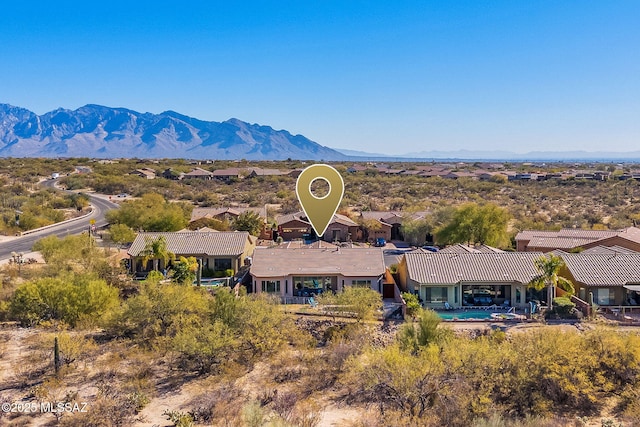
(445, 268)
(221, 243)
(348, 262)
(604, 269)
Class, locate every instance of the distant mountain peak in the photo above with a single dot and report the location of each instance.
(105, 132)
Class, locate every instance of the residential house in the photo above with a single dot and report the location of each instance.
(172, 175)
(611, 279)
(198, 173)
(297, 226)
(468, 279)
(218, 251)
(146, 173)
(574, 238)
(230, 214)
(306, 272)
(256, 172)
(227, 175)
(390, 223)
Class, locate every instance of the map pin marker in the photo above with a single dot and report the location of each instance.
(320, 210)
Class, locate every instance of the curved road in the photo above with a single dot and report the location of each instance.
(77, 226)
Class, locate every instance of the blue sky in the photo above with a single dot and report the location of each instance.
(378, 76)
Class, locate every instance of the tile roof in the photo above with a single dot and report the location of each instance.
(604, 269)
(299, 216)
(198, 213)
(268, 172)
(558, 242)
(607, 250)
(198, 172)
(392, 217)
(221, 243)
(348, 262)
(568, 238)
(443, 268)
(461, 249)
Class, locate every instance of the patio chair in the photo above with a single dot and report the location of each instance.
(447, 306)
(312, 302)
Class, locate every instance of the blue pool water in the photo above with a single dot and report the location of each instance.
(465, 314)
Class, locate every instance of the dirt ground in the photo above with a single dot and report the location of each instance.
(16, 347)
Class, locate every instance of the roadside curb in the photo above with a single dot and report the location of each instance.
(35, 230)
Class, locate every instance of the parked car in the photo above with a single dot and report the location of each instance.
(431, 248)
(379, 242)
(123, 195)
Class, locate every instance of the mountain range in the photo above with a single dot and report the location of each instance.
(104, 132)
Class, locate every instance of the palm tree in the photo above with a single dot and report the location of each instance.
(549, 278)
(156, 250)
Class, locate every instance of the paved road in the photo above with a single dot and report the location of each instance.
(24, 243)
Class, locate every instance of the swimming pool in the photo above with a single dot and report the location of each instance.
(465, 314)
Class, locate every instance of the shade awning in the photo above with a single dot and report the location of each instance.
(632, 287)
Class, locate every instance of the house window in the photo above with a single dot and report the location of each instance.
(604, 296)
(436, 294)
(362, 283)
(271, 286)
(221, 264)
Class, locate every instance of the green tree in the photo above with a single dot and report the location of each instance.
(362, 302)
(249, 221)
(78, 252)
(415, 231)
(151, 213)
(476, 224)
(156, 250)
(549, 267)
(122, 234)
(184, 271)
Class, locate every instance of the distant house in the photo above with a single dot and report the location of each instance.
(256, 172)
(145, 173)
(227, 175)
(468, 279)
(219, 251)
(306, 272)
(611, 279)
(297, 226)
(230, 214)
(198, 173)
(172, 175)
(574, 238)
(390, 223)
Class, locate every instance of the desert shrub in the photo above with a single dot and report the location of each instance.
(413, 304)
(415, 335)
(563, 307)
(66, 299)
